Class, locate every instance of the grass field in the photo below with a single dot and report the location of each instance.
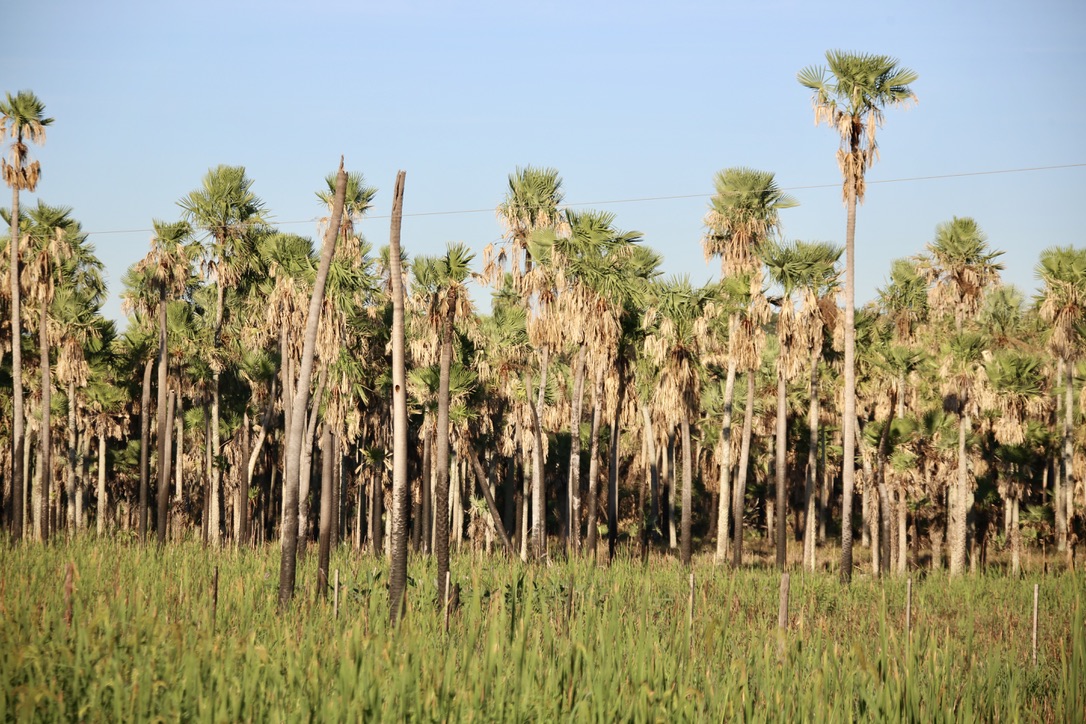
(141, 637)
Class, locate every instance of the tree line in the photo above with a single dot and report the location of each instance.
(344, 392)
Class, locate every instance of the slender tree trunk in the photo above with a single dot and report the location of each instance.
(18, 423)
(810, 493)
(1016, 539)
(1069, 443)
(884, 517)
(960, 503)
(725, 500)
(214, 518)
(740, 489)
(653, 470)
(594, 464)
(81, 481)
(398, 567)
(45, 435)
(781, 468)
(539, 496)
(848, 416)
(492, 506)
(902, 531)
(612, 463)
(441, 454)
(164, 457)
(306, 475)
(291, 479)
(103, 501)
(687, 494)
(73, 452)
(324, 539)
(427, 515)
(575, 450)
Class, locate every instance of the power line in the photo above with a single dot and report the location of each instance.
(641, 199)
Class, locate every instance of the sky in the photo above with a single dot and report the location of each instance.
(636, 103)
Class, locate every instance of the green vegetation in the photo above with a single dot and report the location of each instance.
(572, 641)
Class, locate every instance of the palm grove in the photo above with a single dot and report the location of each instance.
(268, 387)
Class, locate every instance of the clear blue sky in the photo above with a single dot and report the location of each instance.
(626, 99)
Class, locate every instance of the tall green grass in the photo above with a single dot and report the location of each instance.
(562, 642)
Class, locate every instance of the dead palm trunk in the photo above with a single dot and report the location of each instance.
(397, 579)
(288, 560)
(740, 489)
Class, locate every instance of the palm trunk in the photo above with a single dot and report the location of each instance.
(1069, 443)
(612, 463)
(1059, 465)
(397, 579)
(427, 514)
(492, 506)
(902, 531)
(740, 489)
(653, 470)
(289, 534)
(539, 497)
(848, 418)
(1016, 539)
(163, 421)
(575, 450)
(594, 464)
(18, 423)
(441, 453)
(164, 457)
(960, 503)
(883, 552)
(324, 540)
(810, 519)
(103, 500)
(687, 494)
(73, 452)
(723, 537)
(306, 475)
(81, 481)
(781, 467)
(214, 524)
(45, 435)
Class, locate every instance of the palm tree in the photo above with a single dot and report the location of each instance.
(22, 118)
(168, 267)
(849, 96)
(228, 210)
(809, 267)
(1063, 306)
(959, 268)
(678, 342)
(300, 403)
(744, 213)
(442, 281)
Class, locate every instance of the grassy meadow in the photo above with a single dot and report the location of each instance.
(114, 631)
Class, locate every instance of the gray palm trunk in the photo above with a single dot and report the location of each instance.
(612, 461)
(740, 488)
(397, 579)
(575, 450)
(300, 403)
(103, 499)
(73, 453)
(324, 540)
(45, 435)
(539, 513)
(960, 502)
(441, 455)
(1069, 443)
(848, 419)
(686, 543)
(810, 518)
(18, 423)
(145, 446)
(1058, 468)
(594, 465)
(781, 468)
(163, 419)
(653, 469)
(723, 530)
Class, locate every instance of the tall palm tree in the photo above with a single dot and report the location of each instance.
(227, 209)
(1062, 270)
(678, 342)
(169, 268)
(810, 268)
(849, 94)
(744, 213)
(55, 253)
(959, 268)
(442, 281)
(22, 118)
